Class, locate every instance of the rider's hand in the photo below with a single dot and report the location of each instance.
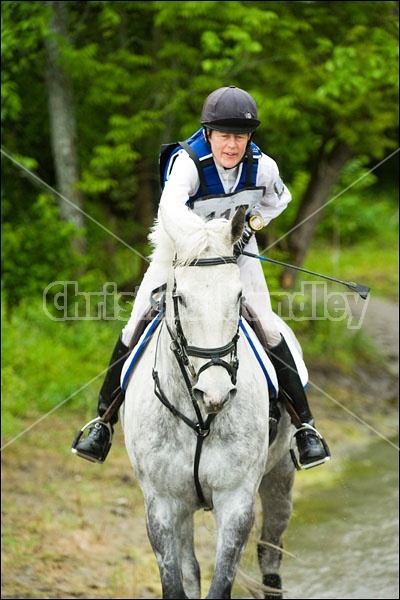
(244, 240)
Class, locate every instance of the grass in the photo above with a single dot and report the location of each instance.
(374, 263)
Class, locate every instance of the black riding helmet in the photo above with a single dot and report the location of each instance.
(231, 110)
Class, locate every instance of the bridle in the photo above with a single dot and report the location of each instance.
(182, 351)
(214, 354)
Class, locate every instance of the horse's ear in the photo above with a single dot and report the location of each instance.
(237, 223)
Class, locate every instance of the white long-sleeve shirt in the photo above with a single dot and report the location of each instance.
(183, 183)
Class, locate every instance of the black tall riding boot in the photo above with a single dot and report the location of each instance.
(96, 445)
(311, 446)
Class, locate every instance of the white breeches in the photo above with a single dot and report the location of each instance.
(256, 293)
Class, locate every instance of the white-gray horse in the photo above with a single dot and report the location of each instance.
(196, 420)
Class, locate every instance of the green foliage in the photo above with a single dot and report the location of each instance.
(373, 262)
(36, 251)
(117, 250)
(23, 25)
(360, 207)
(321, 73)
(47, 362)
(358, 217)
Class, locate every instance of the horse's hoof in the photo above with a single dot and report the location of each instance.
(274, 581)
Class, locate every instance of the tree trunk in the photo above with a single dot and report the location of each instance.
(326, 174)
(63, 124)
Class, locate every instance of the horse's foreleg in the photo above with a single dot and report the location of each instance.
(235, 519)
(190, 566)
(276, 499)
(164, 531)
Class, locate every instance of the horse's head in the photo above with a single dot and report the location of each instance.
(203, 304)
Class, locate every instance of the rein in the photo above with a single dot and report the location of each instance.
(182, 351)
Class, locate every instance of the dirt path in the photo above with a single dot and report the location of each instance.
(73, 529)
(381, 321)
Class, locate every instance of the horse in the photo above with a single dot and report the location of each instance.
(196, 419)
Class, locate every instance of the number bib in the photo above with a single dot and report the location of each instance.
(225, 205)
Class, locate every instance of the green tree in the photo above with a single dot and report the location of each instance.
(324, 76)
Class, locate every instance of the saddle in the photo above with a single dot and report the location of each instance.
(252, 319)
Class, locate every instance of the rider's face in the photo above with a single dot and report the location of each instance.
(228, 148)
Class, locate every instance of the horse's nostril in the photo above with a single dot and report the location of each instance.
(198, 394)
(213, 403)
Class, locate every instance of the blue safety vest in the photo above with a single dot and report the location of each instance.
(199, 150)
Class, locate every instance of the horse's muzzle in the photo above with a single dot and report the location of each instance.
(212, 401)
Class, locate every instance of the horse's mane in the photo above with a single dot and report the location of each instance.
(192, 239)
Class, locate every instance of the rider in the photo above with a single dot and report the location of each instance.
(216, 169)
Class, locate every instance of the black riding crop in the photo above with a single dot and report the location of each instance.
(362, 290)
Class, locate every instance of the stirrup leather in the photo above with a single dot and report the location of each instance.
(294, 451)
(80, 433)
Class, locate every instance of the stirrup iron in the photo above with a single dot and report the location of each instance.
(80, 433)
(294, 451)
